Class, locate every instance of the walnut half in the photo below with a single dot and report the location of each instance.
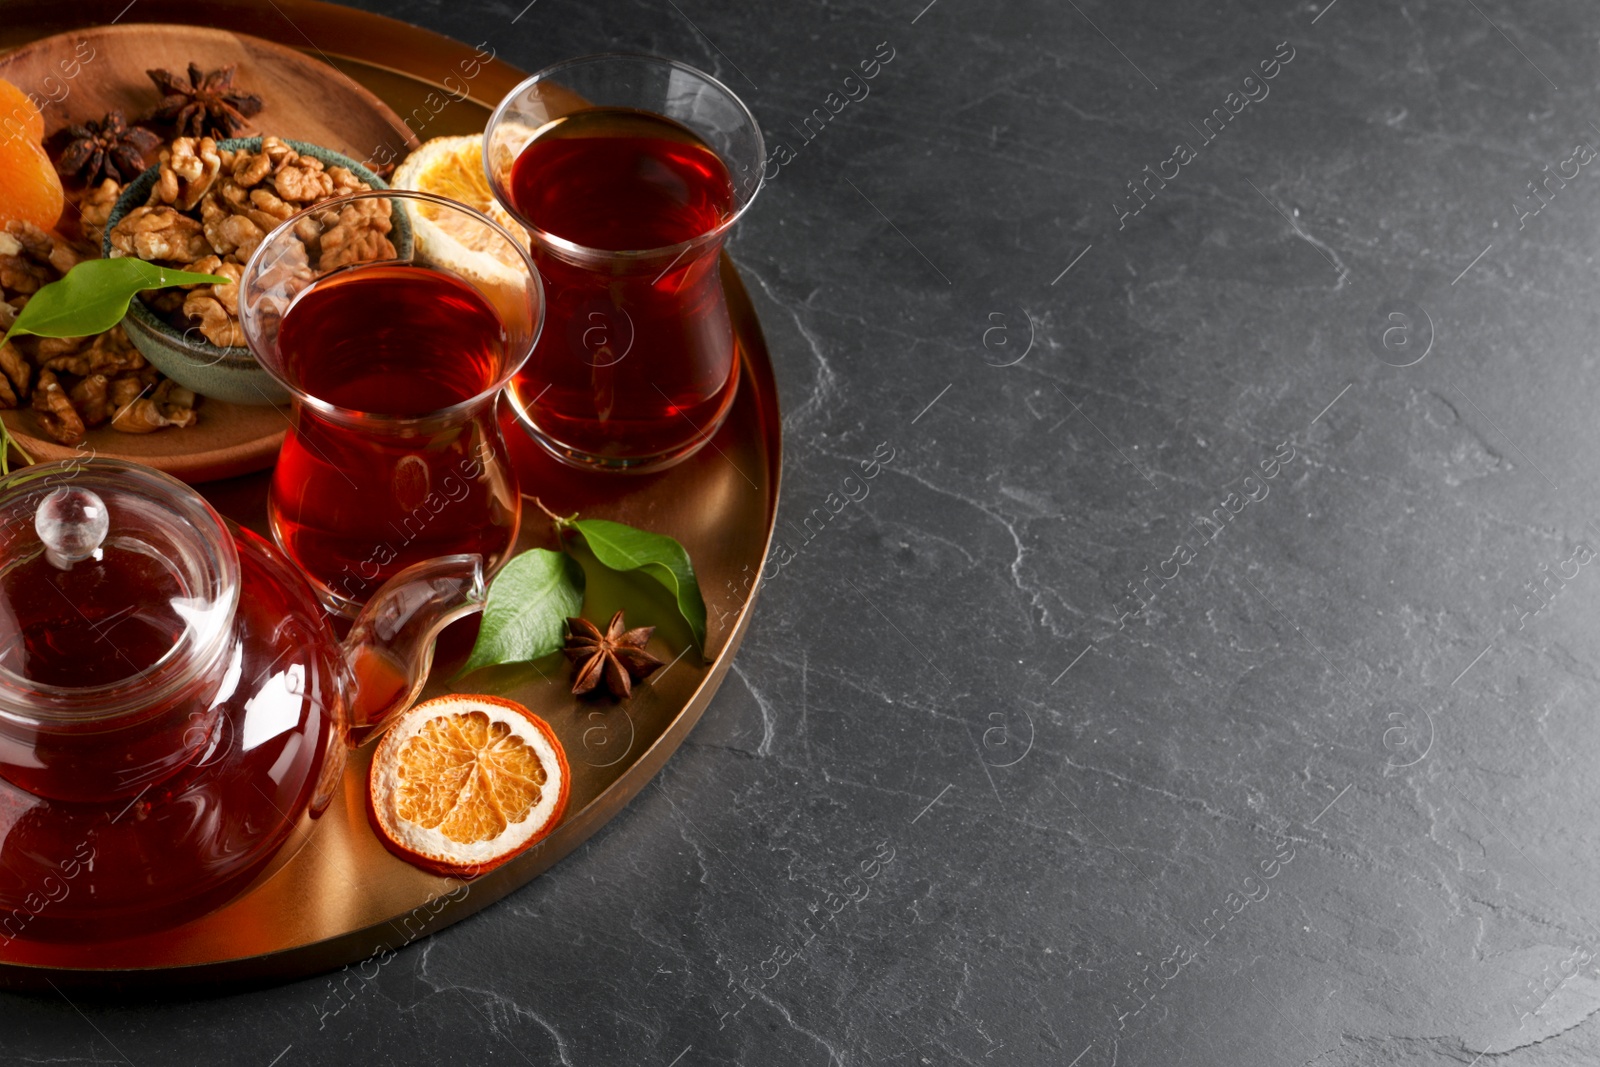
(94, 209)
(53, 408)
(188, 168)
(169, 405)
(360, 235)
(159, 234)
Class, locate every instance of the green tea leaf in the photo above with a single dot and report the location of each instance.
(623, 548)
(525, 616)
(93, 296)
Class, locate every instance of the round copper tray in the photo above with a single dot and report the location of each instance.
(343, 897)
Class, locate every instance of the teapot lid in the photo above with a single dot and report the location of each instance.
(117, 583)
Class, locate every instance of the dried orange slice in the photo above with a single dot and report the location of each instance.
(452, 167)
(461, 784)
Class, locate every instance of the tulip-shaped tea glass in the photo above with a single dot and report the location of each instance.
(394, 319)
(627, 173)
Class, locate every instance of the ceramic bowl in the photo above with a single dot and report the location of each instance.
(226, 373)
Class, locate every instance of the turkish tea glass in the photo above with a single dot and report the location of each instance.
(626, 173)
(394, 319)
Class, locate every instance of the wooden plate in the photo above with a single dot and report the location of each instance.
(229, 440)
(83, 74)
(344, 897)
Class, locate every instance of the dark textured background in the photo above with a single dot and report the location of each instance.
(1341, 690)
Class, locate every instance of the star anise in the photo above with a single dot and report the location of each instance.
(617, 656)
(208, 106)
(109, 148)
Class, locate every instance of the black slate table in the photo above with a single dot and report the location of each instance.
(1207, 675)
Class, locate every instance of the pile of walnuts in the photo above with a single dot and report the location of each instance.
(211, 208)
(75, 383)
(208, 212)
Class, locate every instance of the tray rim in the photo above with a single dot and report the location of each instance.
(359, 944)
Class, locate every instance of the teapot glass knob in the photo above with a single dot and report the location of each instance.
(72, 523)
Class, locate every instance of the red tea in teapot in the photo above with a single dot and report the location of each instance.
(132, 798)
(76, 627)
(389, 476)
(248, 744)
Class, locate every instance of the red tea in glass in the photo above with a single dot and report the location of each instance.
(354, 505)
(395, 456)
(617, 179)
(610, 165)
(638, 358)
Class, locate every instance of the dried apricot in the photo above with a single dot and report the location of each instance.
(19, 117)
(30, 191)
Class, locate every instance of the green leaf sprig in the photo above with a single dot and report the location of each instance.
(533, 595)
(93, 296)
(657, 556)
(529, 601)
(90, 298)
(8, 444)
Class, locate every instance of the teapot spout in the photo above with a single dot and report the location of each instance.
(390, 647)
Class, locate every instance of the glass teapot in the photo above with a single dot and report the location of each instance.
(174, 705)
